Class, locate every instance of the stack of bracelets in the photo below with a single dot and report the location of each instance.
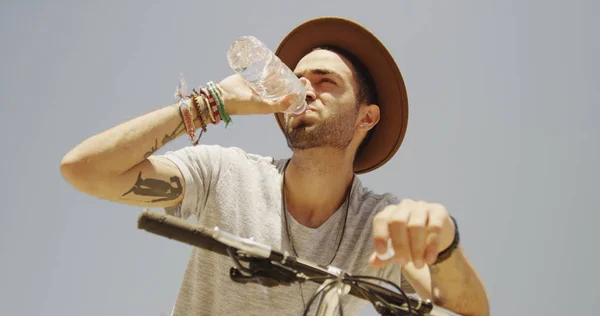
(208, 103)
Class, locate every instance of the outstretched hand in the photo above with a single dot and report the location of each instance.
(240, 99)
(417, 231)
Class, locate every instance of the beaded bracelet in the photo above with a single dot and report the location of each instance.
(210, 106)
(200, 118)
(206, 116)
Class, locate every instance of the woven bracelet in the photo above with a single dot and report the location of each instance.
(188, 120)
(184, 108)
(213, 105)
(212, 89)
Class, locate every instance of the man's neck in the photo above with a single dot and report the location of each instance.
(317, 182)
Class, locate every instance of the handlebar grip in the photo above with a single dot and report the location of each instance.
(181, 230)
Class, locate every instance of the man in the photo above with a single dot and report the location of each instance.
(312, 205)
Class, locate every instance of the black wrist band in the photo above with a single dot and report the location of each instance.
(448, 251)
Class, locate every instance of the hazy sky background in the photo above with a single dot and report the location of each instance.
(503, 131)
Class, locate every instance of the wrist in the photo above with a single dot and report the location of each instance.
(449, 248)
(229, 106)
(447, 235)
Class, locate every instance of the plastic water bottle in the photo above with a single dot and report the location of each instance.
(268, 76)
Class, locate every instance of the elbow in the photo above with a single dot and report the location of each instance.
(76, 172)
(69, 166)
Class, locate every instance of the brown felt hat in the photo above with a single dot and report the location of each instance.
(355, 39)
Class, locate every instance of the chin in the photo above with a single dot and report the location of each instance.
(300, 126)
(301, 121)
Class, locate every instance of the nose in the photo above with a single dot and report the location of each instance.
(310, 92)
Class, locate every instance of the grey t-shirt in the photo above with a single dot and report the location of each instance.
(241, 194)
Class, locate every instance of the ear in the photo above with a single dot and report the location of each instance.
(368, 117)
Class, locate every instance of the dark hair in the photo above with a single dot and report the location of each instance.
(366, 87)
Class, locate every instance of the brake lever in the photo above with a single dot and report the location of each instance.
(264, 272)
(239, 277)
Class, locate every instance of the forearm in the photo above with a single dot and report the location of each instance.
(456, 286)
(120, 148)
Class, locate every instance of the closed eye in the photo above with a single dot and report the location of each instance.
(329, 80)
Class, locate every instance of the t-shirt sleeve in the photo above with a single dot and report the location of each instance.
(200, 167)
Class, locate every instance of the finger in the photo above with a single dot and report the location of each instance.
(285, 103)
(398, 228)
(406, 202)
(435, 224)
(417, 231)
(380, 230)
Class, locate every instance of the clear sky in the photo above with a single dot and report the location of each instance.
(503, 131)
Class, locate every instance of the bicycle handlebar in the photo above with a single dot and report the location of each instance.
(221, 242)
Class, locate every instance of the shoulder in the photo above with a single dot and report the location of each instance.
(222, 153)
(217, 162)
(238, 160)
(243, 159)
(366, 197)
(365, 203)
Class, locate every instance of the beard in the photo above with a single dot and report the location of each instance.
(336, 131)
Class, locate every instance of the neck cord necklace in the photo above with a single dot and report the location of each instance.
(287, 229)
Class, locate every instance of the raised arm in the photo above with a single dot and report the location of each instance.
(118, 165)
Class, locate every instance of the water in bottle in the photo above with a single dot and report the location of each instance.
(270, 78)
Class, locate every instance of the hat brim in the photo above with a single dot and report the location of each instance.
(392, 100)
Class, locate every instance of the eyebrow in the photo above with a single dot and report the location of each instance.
(320, 71)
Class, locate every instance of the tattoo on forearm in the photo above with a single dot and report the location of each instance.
(178, 130)
(159, 189)
(151, 151)
(167, 138)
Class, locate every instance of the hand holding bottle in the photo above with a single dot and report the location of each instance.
(241, 99)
